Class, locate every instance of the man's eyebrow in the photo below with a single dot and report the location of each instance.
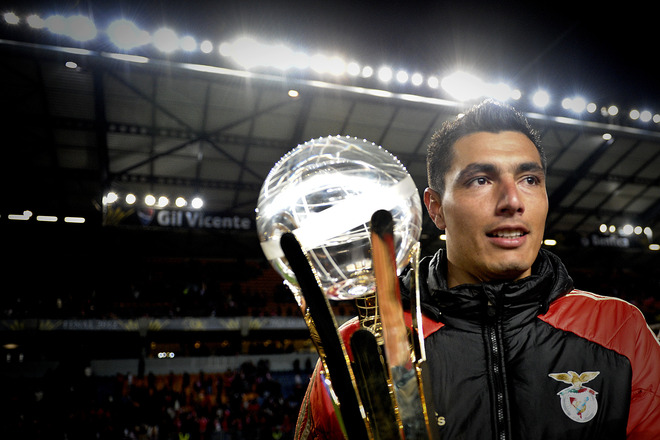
(489, 168)
(476, 168)
(527, 167)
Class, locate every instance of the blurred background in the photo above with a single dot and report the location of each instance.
(136, 300)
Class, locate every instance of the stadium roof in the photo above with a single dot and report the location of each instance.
(82, 118)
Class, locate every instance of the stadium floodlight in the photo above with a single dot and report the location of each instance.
(126, 35)
(130, 199)
(541, 99)
(110, 198)
(188, 43)
(353, 68)
(463, 86)
(417, 79)
(499, 91)
(180, 202)
(35, 22)
(165, 40)
(197, 202)
(367, 72)
(149, 200)
(163, 201)
(402, 76)
(385, 74)
(613, 110)
(11, 18)
(206, 46)
(577, 104)
(250, 53)
(78, 27)
(645, 116)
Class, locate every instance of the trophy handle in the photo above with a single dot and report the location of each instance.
(329, 344)
(407, 370)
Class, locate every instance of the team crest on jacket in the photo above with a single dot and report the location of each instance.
(578, 402)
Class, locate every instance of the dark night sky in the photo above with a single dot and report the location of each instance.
(605, 53)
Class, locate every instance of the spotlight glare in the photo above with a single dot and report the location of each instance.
(35, 22)
(188, 43)
(81, 28)
(110, 198)
(206, 46)
(500, 91)
(576, 104)
(603, 228)
(197, 202)
(163, 201)
(550, 242)
(367, 72)
(634, 114)
(654, 247)
(417, 79)
(77, 27)
(645, 116)
(353, 68)
(11, 18)
(130, 199)
(463, 86)
(613, 110)
(165, 40)
(150, 200)
(180, 202)
(126, 35)
(402, 76)
(385, 74)
(433, 82)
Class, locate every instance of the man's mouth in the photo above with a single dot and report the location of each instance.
(506, 233)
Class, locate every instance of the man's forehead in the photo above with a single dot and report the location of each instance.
(487, 147)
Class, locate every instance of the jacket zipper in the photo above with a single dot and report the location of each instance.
(498, 375)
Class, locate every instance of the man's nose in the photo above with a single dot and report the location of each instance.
(509, 199)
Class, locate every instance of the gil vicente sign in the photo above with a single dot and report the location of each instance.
(176, 218)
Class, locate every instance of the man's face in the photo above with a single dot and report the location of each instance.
(494, 207)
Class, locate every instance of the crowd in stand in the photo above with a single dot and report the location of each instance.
(73, 404)
(249, 403)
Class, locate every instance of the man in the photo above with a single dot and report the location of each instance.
(514, 351)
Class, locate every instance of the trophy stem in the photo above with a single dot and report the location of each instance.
(330, 346)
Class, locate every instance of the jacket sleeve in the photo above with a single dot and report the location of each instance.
(619, 326)
(644, 355)
(317, 419)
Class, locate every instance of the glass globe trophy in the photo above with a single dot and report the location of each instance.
(339, 218)
(324, 192)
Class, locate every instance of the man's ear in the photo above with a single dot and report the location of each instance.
(433, 203)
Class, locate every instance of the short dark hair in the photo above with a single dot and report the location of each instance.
(489, 116)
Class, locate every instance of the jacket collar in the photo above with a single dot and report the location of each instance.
(511, 302)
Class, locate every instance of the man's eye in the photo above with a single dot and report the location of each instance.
(479, 181)
(532, 180)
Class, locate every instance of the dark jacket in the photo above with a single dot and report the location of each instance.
(532, 359)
